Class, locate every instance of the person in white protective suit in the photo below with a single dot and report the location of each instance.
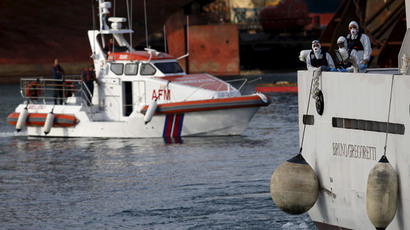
(347, 61)
(319, 59)
(357, 40)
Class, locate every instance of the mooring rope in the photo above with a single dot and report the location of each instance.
(388, 115)
(307, 112)
(316, 82)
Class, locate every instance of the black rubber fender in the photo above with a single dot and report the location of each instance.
(320, 102)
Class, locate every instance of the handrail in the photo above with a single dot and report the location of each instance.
(49, 90)
(84, 97)
(242, 79)
(224, 83)
(247, 81)
(200, 87)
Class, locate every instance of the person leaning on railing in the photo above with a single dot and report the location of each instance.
(319, 59)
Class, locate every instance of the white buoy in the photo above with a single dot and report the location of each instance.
(294, 186)
(150, 111)
(382, 194)
(48, 123)
(22, 119)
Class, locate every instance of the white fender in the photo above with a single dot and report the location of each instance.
(150, 111)
(382, 194)
(294, 186)
(263, 97)
(22, 119)
(49, 123)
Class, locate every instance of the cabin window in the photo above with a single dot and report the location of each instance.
(131, 69)
(169, 67)
(117, 68)
(147, 69)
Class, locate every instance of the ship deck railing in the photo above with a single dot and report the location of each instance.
(221, 86)
(72, 89)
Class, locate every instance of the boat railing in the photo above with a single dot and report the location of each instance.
(40, 90)
(221, 84)
(240, 88)
(225, 83)
(245, 82)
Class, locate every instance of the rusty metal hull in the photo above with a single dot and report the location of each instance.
(213, 49)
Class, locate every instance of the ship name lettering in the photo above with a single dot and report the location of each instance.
(36, 107)
(354, 151)
(164, 94)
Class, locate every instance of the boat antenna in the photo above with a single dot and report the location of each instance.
(93, 14)
(114, 8)
(146, 27)
(165, 39)
(128, 13)
(129, 19)
(129, 23)
(113, 37)
(187, 39)
(388, 115)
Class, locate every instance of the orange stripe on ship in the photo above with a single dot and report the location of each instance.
(204, 105)
(38, 119)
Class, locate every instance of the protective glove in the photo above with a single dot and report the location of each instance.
(333, 69)
(325, 68)
(341, 69)
(363, 66)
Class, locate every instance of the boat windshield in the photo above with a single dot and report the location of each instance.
(169, 67)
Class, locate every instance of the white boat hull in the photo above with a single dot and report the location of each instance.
(345, 143)
(205, 123)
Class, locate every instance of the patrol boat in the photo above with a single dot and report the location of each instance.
(354, 141)
(141, 94)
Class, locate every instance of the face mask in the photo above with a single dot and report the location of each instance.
(343, 53)
(353, 31)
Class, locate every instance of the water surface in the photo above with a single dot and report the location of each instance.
(94, 183)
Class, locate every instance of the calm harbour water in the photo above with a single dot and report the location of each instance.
(201, 183)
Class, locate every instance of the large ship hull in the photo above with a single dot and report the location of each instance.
(344, 143)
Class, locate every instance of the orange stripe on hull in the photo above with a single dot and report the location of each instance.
(212, 104)
(38, 119)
